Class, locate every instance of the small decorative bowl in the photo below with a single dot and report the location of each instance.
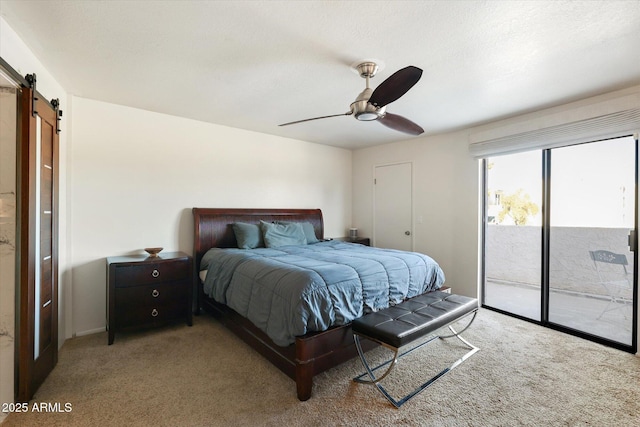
(153, 252)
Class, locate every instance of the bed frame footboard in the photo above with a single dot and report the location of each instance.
(310, 355)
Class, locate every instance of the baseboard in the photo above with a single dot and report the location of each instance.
(90, 332)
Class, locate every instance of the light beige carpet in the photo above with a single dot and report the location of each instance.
(203, 375)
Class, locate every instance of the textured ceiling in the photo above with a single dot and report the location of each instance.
(253, 65)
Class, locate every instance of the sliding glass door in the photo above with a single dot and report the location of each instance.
(512, 234)
(558, 228)
(591, 215)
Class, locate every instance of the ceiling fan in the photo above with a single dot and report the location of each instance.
(372, 104)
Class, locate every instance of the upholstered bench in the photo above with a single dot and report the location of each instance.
(402, 324)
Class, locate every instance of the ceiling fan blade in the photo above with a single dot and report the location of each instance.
(395, 86)
(316, 118)
(399, 123)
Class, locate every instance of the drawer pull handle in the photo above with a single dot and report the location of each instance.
(155, 293)
(155, 273)
(154, 312)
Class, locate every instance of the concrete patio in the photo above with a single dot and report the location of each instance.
(583, 312)
(577, 296)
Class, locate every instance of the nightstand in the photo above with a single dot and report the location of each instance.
(360, 240)
(145, 291)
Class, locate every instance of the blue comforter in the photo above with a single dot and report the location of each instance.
(291, 290)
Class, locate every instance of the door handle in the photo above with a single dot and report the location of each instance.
(408, 233)
(632, 240)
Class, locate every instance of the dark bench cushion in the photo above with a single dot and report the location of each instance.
(414, 318)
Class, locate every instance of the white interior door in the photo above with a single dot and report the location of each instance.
(393, 207)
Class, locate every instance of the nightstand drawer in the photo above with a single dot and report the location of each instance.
(141, 305)
(148, 273)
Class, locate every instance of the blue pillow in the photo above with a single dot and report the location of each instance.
(308, 230)
(248, 236)
(279, 234)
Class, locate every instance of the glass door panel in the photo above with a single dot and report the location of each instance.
(592, 211)
(513, 234)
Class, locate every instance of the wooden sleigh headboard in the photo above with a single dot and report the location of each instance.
(213, 229)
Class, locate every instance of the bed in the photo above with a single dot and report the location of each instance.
(302, 355)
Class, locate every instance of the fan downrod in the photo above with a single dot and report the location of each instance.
(360, 108)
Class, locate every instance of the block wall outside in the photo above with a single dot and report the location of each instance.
(513, 255)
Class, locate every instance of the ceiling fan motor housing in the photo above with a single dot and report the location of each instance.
(362, 110)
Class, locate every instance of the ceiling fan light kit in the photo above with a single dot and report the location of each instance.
(371, 104)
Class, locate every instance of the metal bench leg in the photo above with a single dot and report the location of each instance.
(369, 371)
(392, 363)
(473, 349)
(457, 334)
(373, 380)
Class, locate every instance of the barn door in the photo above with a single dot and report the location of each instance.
(38, 287)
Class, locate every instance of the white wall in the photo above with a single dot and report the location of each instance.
(135, 175)
(445, 195)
